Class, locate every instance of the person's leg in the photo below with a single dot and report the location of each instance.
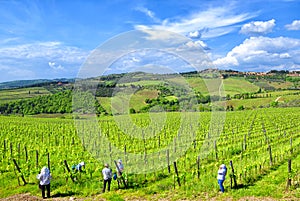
(221, 185)
(104, 186)
(43, 191)
(48, 190)
(108, 187)
(118, 179)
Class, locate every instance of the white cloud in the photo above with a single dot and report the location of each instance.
(294, 26)
(54, 66)
(194, 34)
(197, 44)
(149, 13)
(226, 61)
(52, 49)
(262, 51)
(258, 27)
(24, 59)
(222, 19)
(284, 55)
(9, 40)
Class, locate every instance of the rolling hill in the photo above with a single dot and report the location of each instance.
(166, 90)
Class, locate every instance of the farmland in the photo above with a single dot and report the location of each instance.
(155, 126)
(258, 142)
(21, 93)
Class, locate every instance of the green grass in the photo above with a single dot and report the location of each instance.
(238, 86)
(273, 182)
(281, 85)
(262, 102)
(170, 98)
(143, 83)
(231, 85)
(282, 93)
(137, 100)
(271, 85)
(250, 103)
(21, 93)
(105, 103)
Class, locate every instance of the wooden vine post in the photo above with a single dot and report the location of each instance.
(198, 167)
(69, 171)
(232, 176)
(270, 153)
(289, 180)
(26, 153)
(125, 184)
(11, 149)
(19, 170)
(168, 161)
(48, 157)
(291, 145)
(177, 174)
(37, 158)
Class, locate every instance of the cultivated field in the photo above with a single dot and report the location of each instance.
(258, 142)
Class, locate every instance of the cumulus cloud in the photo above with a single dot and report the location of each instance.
(295, 25)
(258, 27)
(197, 44)
(262, 51)
(54, 66)
(194, 34)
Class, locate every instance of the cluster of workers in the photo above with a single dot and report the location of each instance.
(44, 177)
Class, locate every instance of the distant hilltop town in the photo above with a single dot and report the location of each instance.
(270, 73)
(233, 73)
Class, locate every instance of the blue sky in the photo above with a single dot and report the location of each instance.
(52, 39)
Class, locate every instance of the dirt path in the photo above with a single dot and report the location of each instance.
(28, 197)
(277, 99)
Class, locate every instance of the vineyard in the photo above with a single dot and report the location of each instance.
(257, 145)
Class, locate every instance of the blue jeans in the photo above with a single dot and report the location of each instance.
(220, 182)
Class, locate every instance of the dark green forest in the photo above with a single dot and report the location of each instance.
(60, 102)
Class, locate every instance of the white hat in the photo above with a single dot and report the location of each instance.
(82, 163)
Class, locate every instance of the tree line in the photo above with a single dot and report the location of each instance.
(60, 102)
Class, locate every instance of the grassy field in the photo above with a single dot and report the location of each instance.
(282, 97)
(274, 85)
(231, 86)
(238, 85)
(105, 103)
(281, 85)
(142, 83)
(21, 93)
(137, 100)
